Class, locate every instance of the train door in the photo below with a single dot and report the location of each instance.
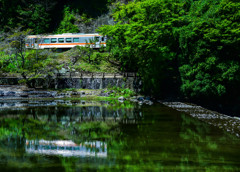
(36, 42)
(103, 41)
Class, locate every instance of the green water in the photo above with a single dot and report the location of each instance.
(98, 136)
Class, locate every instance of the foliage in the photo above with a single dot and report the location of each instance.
(143, 40)
(96, 129)
(46, 16)
(27, 14)
(67, 24)
(209, 42)
(37, 17)
(86, 60)
(32, 128)
(117, 92)
(30, 64)
(179, 44)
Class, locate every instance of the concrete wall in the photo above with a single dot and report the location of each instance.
(77, 82)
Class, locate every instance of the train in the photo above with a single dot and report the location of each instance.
(65, 41)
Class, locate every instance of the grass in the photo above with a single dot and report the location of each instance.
(118, 92)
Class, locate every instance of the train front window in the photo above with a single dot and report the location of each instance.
(46, 40)
(75, 40)
(53, 40)
(68, 39)
(61, 40)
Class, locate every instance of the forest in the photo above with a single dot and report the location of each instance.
(180, 48)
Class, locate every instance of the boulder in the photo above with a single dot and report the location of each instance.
(1, 93)
(83, 93)
(10, 93)
(140, 98)
(75, 93)
(134, 99)
(121, 99)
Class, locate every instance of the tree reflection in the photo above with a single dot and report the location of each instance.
(101, 138)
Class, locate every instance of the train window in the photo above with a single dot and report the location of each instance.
(53, 40)
(61, 40)
(68, 39)
(75, 39)
(46, 40)
(103, 39)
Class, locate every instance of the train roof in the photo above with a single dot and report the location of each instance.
(64, 35)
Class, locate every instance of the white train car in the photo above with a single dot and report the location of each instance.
(66, 40)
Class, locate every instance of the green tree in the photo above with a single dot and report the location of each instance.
(210, 44)
(67, 25)
(179, 42)
(143, 40)
(30, 64)
(35, 17)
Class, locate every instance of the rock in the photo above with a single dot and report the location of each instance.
(63, 71)
(69, 93)
(134, 99)
(148, 102)
(75, 93)
(104, 94)
(140, 98)
(148, 98)
(23, 95)
(54, 93)
(236, 117)
(10, 93)
(121, 99)
(110, 92)
(83, 93)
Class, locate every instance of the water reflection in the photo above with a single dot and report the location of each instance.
(71, 111)
(111, 137)
(66, 148)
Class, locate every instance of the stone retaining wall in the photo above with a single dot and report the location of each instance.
(82, 80)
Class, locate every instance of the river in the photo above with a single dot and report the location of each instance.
(74, 135)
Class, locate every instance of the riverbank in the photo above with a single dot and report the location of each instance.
(9, 92)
